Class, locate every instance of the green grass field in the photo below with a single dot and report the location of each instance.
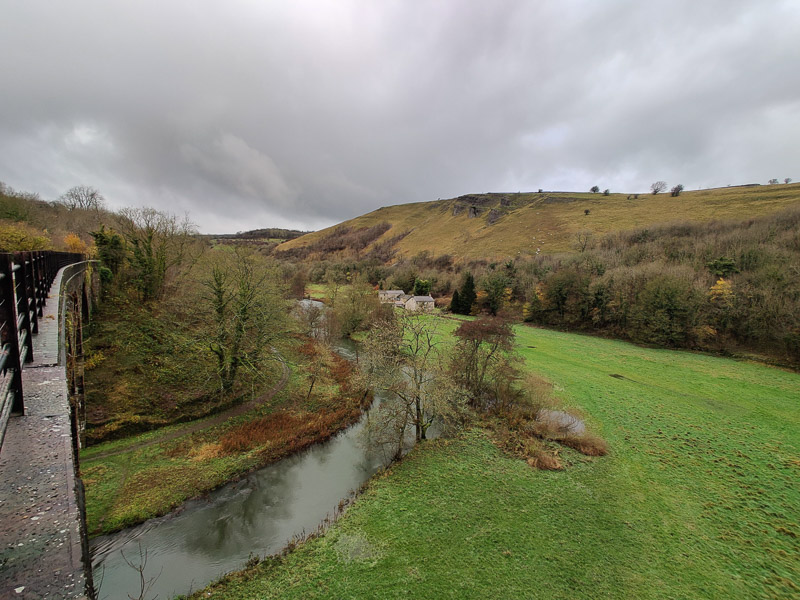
(699, 497)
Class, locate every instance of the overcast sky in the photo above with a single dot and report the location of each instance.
(305, 113)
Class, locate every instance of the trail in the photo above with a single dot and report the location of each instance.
(196, 426)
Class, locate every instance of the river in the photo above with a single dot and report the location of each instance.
(257, 515)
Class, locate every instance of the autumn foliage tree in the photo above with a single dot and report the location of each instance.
(482, 353)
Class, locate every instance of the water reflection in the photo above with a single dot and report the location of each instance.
(257, 515)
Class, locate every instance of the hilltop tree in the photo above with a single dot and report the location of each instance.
(773, 181)
(787, 180)
(676, 191)
(658, 187)
(606, 192)
(594, 189)
(83, 197)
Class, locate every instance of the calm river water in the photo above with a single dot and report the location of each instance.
(257, 515)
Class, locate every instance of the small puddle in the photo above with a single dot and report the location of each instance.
(564, 421)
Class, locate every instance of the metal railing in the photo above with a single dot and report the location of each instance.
(25, 280)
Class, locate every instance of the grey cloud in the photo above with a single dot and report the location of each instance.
(306, 113)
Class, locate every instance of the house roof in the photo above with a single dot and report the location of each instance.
(423, 298)
(397, 292)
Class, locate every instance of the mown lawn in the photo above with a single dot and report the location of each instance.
(699, 498)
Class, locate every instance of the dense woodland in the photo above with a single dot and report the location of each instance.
(724, 286)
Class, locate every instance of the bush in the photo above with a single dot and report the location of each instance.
(16, 237)
(665, 311)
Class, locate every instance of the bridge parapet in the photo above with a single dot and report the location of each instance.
(43, 549)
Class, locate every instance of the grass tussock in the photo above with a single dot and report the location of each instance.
(535, 425)
(588, 444)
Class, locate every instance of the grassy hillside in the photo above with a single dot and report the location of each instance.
(504, 225)
(698, 498)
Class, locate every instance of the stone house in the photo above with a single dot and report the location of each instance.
(419, 303)
(387, 296)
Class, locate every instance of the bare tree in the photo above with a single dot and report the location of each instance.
(145, 583)
(658, 187)
(82, 196)
(311, 317)
(401, 358)
(483, 348)
(787, 180)
(583, 240)
(676, 191)
(159, 243)
(773, 181)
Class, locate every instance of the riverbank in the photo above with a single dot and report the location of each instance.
(129, 481)
(697, 498)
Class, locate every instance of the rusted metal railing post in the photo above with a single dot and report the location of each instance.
(9, 333)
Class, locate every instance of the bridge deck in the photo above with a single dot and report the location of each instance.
(40, 537)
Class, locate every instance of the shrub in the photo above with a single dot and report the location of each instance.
(665, 311)
(15, 237)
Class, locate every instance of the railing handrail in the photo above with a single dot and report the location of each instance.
(62, 316)
(25, 280)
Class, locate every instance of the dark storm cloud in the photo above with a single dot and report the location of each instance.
(253, 114)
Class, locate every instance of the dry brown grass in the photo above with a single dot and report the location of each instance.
(206, 452)
(545, 461)
(520, 429)
(588, 444)
(523, 445)
(548, 221)
(287, 431)
(283, 433)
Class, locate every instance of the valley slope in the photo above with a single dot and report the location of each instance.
(504, 225)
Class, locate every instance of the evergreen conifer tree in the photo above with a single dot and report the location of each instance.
(468, 295)
(455, 303)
